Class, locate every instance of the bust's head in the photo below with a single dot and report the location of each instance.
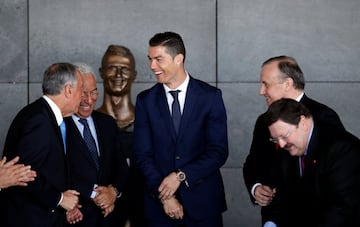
(117, 70)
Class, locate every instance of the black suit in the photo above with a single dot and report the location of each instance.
(84, 174)
(131, 204)
(262, 163)
(35, 136)
(328, 192)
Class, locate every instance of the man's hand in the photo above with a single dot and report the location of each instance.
(173, 208)
(73, 216)
(168, 186)
(264, 195)
(70, 200)
(105, 198)
(12, 174)
(108, 210)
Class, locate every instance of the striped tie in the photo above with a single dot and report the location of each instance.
(90, 142)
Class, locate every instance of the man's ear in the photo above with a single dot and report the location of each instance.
(289, 83)
(302, 122)
(67, 90)
(179, 59)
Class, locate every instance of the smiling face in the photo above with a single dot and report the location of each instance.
(273, 85)
(90, 96)
(168, 70)
(291, 137)
(118, 74)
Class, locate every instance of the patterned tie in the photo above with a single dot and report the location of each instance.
(176, 114)
(90, 142)
(63, 133)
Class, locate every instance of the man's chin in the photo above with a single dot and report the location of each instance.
(84, 112)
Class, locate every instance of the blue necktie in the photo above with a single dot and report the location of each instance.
(63, 133)
(175, 108)
(90, 142)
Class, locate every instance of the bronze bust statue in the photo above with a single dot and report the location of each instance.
(118, 72)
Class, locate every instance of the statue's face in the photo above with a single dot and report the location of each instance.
(118, 74)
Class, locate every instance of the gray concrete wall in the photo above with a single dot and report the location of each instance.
(226, 40)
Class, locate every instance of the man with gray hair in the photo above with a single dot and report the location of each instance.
(37, 136)
(97, 165)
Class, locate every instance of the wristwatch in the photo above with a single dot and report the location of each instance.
(180, 175)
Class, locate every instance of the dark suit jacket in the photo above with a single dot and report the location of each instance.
(262, 163)
(84, 174)
(328, 193)
(35, 136)
(200, 148)
(131, 204)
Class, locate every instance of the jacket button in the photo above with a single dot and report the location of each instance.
(177, 157)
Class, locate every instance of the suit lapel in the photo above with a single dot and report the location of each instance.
(189, 106)
(312, 153)
(98, 134)
(47, 109)
(78, 139)
(162, 106)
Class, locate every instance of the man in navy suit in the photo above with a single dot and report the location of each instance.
(184, 186)
(100, 181)
(280, 77)
(320, 179)
(35, 136)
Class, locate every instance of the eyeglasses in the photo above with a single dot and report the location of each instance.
(113, 70)
(284, 138)
(93, 94)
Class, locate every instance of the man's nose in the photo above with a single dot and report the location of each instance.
(282, 142)
(262, 90)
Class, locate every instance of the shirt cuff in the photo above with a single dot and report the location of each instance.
(253, 189)
(270, 224)
(61, 198)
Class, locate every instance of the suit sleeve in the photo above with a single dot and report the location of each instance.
(143, 147)
(261, 164)
(208, 140)
(341, 185)
(35, 150)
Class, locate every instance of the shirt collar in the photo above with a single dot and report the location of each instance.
(300, 97)
(182, 87)
(56, 110)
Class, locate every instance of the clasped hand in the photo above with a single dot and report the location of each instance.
(105, 199)
(167, 189)
(264, 195)
(168, 186)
